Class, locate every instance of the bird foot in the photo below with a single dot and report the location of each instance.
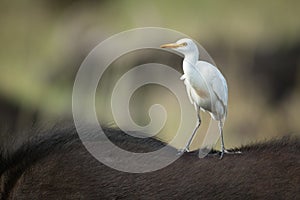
(225, 151)
(182, 151)
(232, 152)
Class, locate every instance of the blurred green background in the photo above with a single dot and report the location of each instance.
(256, 44)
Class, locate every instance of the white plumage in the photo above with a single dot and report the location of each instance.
(206, 86)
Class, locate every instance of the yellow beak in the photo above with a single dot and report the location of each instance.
(173, 45)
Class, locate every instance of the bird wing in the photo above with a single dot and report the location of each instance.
(189, 91)
(215, 81)
(221, 92)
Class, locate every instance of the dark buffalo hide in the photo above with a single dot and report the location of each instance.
(54, 164)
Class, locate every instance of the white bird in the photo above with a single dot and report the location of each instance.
(206, 87)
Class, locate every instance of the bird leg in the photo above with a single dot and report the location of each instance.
(222, 139)
(187, 147)
(223, 150)
(194, 132)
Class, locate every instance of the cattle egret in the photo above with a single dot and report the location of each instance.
(206, 87)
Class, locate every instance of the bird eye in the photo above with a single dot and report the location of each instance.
(184, 44)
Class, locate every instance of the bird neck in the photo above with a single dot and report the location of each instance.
(191, 58)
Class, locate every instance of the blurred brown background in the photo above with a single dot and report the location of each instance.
(256, 44)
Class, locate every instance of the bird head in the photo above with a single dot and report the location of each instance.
(185, 46)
